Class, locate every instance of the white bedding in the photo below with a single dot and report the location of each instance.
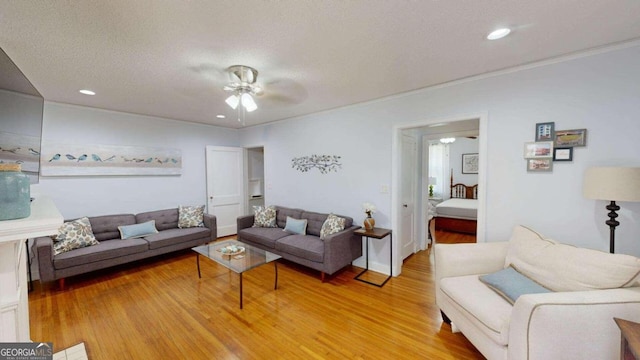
(458, 209)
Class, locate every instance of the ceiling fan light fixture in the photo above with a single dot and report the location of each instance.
(248, 102)
(233, 101)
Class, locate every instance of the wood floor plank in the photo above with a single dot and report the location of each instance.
(158, 308)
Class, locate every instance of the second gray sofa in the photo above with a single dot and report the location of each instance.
(325, 255)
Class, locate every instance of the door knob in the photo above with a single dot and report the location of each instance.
(405, 205)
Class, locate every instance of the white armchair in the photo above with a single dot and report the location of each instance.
(545, 326)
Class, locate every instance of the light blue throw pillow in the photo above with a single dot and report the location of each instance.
(296, 226)
(510, 284)
(137, 230)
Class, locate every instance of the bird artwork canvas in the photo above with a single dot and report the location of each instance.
(88, 160)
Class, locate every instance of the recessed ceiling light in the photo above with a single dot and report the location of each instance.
(498, 34)
(87, 92)
(220, 116)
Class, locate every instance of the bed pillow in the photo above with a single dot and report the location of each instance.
(296, 226)
(190, 216)
(511, 284)
(264, 216)
(137, 230)
(74, 235)
(333, 224)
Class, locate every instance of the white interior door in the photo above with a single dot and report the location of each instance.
(408, 196)
(225, 186)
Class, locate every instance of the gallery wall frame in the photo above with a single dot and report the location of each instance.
(540, 165)
(109, 160)
(545, 131)
(538, 150)
(571, 138)
(563, 154)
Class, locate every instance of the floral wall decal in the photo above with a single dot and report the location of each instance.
(324, 163)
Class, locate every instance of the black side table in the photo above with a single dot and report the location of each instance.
(376, 233)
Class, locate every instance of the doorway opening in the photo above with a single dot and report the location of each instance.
(411, 198)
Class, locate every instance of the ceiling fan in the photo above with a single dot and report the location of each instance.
(243, 86)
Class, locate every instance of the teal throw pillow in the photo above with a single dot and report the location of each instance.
(510, 284)
(137, 230)
(296, 226)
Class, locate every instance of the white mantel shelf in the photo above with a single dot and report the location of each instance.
(44, 220)
(14, 303)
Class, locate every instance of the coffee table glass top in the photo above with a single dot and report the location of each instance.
(250, 258)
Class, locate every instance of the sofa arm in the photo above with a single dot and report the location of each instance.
(43, 248)
(245, 221)
(469, 259)
(571, 325)
(211, 222)
(340, 249)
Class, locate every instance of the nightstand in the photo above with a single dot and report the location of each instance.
(433, 201)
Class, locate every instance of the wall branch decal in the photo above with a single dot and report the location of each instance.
(324, 163)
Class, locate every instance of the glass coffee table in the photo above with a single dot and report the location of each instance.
(236, 256)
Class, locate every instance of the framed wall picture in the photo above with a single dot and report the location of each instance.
(470, 163)
(545, 131)
(563, 154)
(539, 165)
(538, 150)
(571, 138)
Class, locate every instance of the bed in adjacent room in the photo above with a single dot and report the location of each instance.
(460, 212)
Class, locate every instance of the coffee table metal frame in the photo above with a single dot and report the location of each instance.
(251, 258)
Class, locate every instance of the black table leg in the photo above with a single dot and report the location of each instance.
(198, 263)
(275, 287)
(240, 290)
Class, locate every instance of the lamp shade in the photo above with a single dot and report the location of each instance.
(612, 183)
(433, 180)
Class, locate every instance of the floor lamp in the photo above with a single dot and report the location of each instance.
(612, 184)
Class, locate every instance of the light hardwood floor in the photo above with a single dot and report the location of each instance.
(159, 309)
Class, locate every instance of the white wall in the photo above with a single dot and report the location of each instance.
(598, 92)
(103, 195)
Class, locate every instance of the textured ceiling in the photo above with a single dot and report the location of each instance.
(167, 58)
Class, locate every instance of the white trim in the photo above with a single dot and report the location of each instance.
(395, 176)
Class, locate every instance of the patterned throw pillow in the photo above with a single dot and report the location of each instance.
(333, 224)
(190, 216)
(264, 216)
(74, 235)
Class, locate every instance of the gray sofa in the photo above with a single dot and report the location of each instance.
(114, 251)
(327, 256)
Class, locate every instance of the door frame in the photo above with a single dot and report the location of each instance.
(396, 151)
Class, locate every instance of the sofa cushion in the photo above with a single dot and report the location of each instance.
(282, 213)
(334, 224)
(107, 249)
(510, 284)
(296, 226)
(190, 216)
(263, 236)
(74, 235)
(562, 267)
(137, 230)
(304, 246)
(165, 219)
(106, 227)
(316, 220)
(480, 305)
(264, 216)
(175, 236)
